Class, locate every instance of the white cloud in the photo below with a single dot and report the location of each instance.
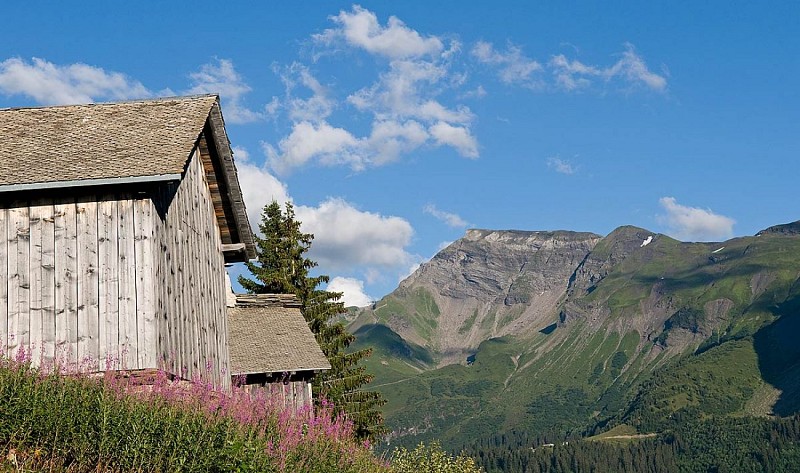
(51, 84)
(561, 166)
(307, 141)
(346, 237)
(407, 90)
(360, 28)
(513, 66)
(633, 68)
(220, 77)
(572, 74)
(389, 139)
(450, 219)
(315, 108)
(403, 102)
(693, 223)
(328, 145)
(259, 187)
(352, 291)
(458, 137)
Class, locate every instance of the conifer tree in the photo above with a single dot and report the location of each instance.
(281, 267)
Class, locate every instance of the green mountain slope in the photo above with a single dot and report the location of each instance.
(568, 332)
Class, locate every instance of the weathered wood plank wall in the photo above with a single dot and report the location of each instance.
(294, 395)
(190, 268)
(76, 282)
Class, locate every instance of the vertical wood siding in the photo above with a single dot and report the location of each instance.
(294, 394)
(76, 281)
(190, 268)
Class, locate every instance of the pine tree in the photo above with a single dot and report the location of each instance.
(281, 267)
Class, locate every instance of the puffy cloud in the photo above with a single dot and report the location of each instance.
(352, 291)
(259, 187)
(220, 77)
(561, 166)
(693, 223)
(346, 237)
(321, 142)
(360, 28)
(513, 66)
(51, 84)
(404, 101)
(448, 218)
(389, 139)
(406, 90)
(458, 137)
(307, 141)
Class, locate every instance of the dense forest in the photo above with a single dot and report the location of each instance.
(745, 444)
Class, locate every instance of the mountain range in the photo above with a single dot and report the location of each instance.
(571, 333)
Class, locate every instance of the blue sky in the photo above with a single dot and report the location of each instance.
(394, 126)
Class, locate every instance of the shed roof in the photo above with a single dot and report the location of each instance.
(272, 339)
(115, 143)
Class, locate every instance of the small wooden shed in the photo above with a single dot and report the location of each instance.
(116, 222)
(272, 349)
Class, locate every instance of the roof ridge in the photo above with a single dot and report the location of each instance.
(288, 301)
(171, 98)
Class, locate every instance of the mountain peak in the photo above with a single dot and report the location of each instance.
(792, 228)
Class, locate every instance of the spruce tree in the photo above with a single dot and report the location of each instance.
(281, 267)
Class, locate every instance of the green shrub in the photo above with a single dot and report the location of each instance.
(431, 459)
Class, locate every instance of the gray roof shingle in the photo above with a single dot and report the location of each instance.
(100, 141)
(272, 339)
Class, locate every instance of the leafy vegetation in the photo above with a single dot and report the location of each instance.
(75, 423)
(431, 459)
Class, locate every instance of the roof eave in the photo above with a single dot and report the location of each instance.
(272, 371)
(230, 175)
(111, 181)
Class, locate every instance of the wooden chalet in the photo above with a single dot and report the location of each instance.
(272, 349)
(116, 222)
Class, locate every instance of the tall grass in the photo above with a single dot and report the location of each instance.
(73, 422)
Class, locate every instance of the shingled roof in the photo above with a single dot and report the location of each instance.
(120, 143)
(272, 338)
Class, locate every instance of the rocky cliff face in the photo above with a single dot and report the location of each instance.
(487, 284)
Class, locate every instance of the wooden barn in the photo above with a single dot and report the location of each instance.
(116, 222)
(272, 349)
